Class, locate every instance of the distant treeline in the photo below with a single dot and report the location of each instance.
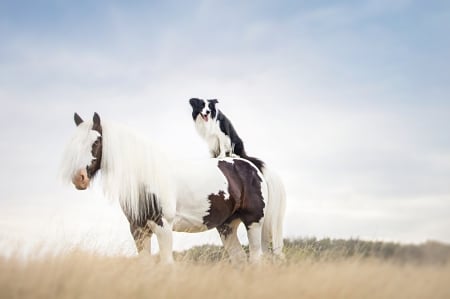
(297, 250)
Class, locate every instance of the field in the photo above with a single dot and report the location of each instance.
(312, 269)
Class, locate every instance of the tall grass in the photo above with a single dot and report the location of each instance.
(338, 249)
(312, 269)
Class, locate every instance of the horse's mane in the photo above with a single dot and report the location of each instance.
(131, 165)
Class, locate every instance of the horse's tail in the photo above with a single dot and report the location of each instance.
(272, 231)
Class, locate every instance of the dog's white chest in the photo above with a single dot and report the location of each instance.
(217, 141)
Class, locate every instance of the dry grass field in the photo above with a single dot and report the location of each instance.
(312, 269)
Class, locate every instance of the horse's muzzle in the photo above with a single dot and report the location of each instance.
(81, 179)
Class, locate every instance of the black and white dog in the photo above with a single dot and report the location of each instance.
(218, 131)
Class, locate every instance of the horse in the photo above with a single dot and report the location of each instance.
(159, 194)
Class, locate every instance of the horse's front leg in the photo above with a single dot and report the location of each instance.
(141, 236)
(163, 232)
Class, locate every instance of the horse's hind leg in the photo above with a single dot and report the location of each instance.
(266, 240)
(228, 234)
(163, 232)
(254, 241)
(141, 236)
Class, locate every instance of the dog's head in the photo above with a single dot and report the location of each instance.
(204, 109)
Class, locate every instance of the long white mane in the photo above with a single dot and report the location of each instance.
(131, 165)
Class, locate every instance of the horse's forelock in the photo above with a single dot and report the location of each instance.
(77, 154)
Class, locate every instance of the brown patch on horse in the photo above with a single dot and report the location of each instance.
(97, 148)
(225, 229)
(220, 209)
(149, 210)
(96, 162)
(244, 185)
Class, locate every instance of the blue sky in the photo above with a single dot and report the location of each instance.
(349, 101)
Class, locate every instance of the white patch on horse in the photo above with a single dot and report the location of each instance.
(195, 204)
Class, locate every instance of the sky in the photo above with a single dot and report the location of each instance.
(348, 101)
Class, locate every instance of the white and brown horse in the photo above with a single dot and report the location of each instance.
(159, 195)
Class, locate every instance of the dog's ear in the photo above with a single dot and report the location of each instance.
(195, 102)
(213, 101)
(197, 106)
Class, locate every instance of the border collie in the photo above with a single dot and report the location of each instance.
(218, 131)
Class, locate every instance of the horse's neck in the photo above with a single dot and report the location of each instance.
(131, 162)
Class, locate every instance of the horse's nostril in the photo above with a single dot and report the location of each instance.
(82, 177)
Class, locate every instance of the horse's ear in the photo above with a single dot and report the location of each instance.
(78, 120)
(96, 126)
(96, 118)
